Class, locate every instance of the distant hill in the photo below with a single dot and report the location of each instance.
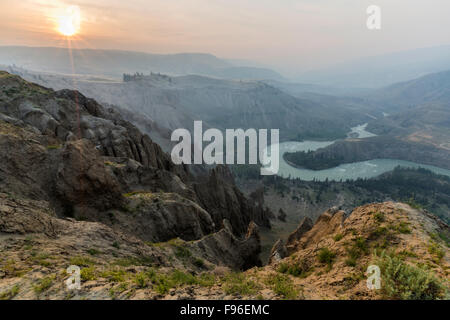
(404, 95)
(113, 63)
(418, 110)
(304, 89)
(382, 70)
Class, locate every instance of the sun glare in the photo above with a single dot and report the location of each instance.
(69, 21)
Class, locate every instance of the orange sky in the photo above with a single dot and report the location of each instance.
(284, 33)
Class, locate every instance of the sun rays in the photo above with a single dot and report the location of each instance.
(69, 21)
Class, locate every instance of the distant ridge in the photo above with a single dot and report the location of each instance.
(114, 63)
(382, 70)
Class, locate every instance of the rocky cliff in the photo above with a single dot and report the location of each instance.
(330, 259)
(82, 161)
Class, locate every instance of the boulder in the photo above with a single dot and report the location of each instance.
(278, 252)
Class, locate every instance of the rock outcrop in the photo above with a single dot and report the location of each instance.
(281, 215)
(223, 200)
(88, 163)
(329, 259)
(278, 252)
(83, 181)
(305, 225)
(224, 246)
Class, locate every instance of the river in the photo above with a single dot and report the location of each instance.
(351, 171)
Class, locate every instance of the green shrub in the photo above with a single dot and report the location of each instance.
(181, 278)
(358, 248)
(297, 269)
(93, 252)
(114, 275)
(9, 294)
(114, 292)
(182, 252)
(238, 284)
(134, 261)
(43, 284)
(206, 280)
(141, 280)
(351, 262)
(441, 236)
(379, 216)
(81, 261)
(407, 253)
(199, 263)
(42, 259)
(403, 227)
(283, 286)
(161, 282)
(378, 232)
(361, 244)
(407, 282)
(283, 268)
(327, 256)
(436, 250)
(53, 147)
(88, 274)
(338, 237)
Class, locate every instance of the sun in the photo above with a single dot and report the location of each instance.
(69, 21)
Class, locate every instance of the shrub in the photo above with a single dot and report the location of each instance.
(407, 253)
(237, 283)
(43, 284)
(199, 263)
(358, 248)
(114, 292)
(206, 280)
(361, 244)
(436, 250)
(182, 252)
(283, 267)
(327, 256)
(42, 259)
(378, 232)
(181, 278)
(93, 251)
(134, 261)
(114, 275)
(402, 227)
(297, 269)
(407, 282)
(379, 217)
(53, 147)
(351, 262)
(161, 283)
(338, 237)
(9, 294)
(141, 280)
(283, 286)
(88, 274)
(81, 261)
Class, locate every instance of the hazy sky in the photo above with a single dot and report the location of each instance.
(286, 34)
